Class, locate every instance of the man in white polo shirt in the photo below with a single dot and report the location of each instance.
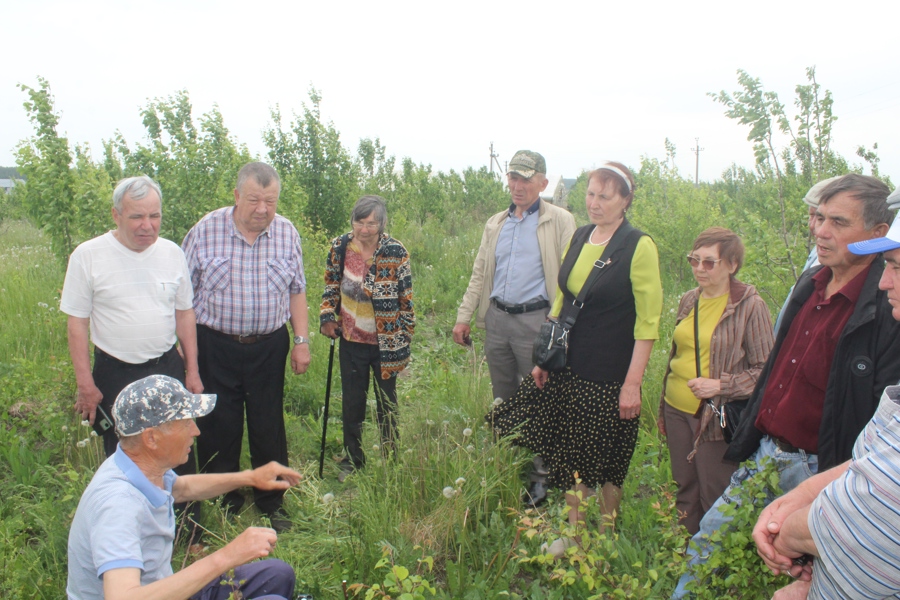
(129, 292)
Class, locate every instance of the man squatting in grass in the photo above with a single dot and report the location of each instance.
(246, 267)
(837, 349)
(120, 543)
(129, 291)
(847, 517)
(513, 281)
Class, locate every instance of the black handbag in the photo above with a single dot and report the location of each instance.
(552, 343)
(730, 413)
(551, 346)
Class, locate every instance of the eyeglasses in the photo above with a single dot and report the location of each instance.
(368, 226)
(708, 264)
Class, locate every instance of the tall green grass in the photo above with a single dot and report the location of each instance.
(444, 506)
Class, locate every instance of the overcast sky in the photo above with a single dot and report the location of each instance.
(580, 82)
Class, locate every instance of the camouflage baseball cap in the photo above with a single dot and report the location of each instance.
(526, 163)
(154, 400)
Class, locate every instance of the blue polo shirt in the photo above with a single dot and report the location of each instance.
(123, 520)
(519, 274)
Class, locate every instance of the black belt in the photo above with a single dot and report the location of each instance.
(786, 447)
(518, 309)
(152, 361)
(240, 338)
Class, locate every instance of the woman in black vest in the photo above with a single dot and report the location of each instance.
(585, 419)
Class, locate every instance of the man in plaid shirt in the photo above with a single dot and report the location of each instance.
(246, 268)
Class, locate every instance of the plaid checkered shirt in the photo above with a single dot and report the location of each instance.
(242, 288)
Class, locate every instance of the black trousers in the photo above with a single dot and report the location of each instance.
(111, 375)
(357, 360)
(246, 378)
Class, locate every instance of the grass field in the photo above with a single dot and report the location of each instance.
(444, 516)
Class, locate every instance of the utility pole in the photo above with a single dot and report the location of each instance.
(494, 157)
(697, 151)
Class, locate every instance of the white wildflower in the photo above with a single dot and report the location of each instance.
(497, 402)
(470, 448)
(65, 427)
(467, 432)
(93, 433)
(376, 447)
(449, 492)
(429, 422)
(85, 423)
(43, 304)
(328, 498)
(483, 482)
(81, 443)
(459, 481)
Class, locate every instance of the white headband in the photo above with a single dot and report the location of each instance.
(618, 172)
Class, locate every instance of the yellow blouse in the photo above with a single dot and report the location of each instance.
(684, 365)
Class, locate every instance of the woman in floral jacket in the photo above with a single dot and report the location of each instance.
(368, 304)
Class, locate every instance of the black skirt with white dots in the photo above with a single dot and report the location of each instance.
(574, 425)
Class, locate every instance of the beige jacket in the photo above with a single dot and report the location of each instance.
(555, 228)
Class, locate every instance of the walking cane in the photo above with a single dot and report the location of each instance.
(325, 415)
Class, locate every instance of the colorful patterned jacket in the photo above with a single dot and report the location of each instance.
(389, 284)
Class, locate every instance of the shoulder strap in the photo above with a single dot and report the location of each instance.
(697, 334)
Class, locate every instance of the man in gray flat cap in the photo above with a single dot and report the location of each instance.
(514, 281)
(120, 543)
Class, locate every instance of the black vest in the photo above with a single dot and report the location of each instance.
(602, 339)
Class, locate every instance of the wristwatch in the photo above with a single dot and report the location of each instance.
(299, 339)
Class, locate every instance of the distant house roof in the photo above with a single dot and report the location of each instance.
(7, 184)
(556, 190)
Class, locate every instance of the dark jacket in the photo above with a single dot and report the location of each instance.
(867, 360)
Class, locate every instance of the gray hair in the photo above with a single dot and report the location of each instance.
(370, 205)
(870, 191)
(136, 188)
(262, 173)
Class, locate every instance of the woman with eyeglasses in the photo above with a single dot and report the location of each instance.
(584, 420)
(731, 344)
(368, 304)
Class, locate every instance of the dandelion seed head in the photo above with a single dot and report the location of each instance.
(85, 423)
(93, 433)
(81, 443)
(470, 448)
(497, 402)
(449, 492)
(328, 498)
(459, 481)
(467, 432)
(376, 447)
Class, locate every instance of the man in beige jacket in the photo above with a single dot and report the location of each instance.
(514, 280)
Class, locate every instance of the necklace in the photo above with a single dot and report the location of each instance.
(604, 242)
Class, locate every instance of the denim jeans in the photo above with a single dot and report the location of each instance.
(793, 469)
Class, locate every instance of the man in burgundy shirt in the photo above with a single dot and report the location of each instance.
(837, 350)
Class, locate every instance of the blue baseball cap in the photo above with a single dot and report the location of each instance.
(883, 244)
